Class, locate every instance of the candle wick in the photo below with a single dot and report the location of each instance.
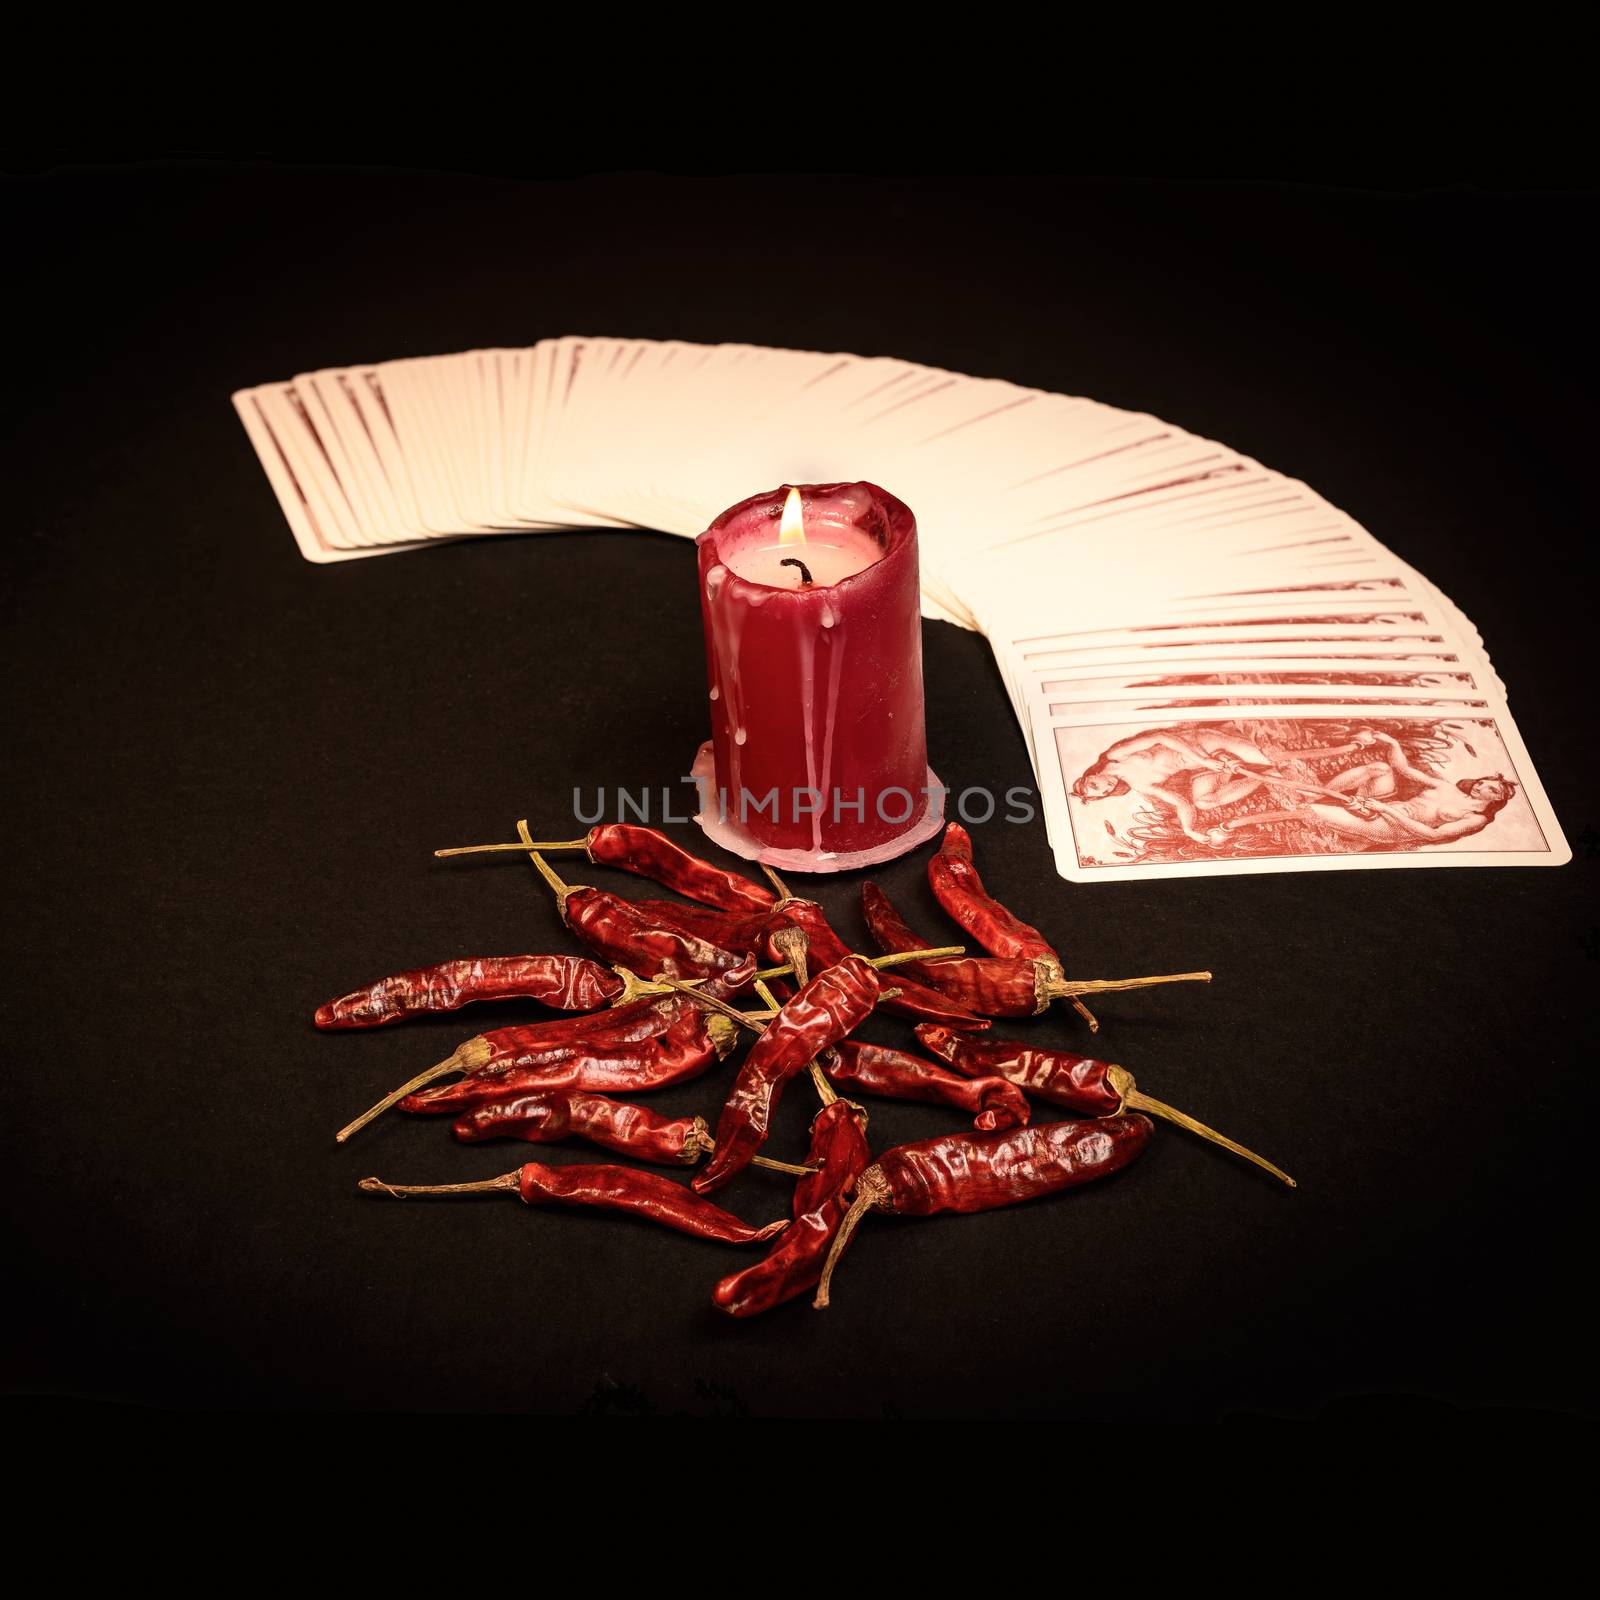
(794, 561)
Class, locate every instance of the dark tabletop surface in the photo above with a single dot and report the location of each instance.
(228, 768)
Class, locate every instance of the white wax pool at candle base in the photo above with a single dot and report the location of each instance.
(826, 561)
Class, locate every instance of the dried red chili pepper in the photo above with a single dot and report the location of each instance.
(651, 855)
(958, 888)
(614, 928)
(608, 1066)
(875, 1069)
(824, 948)
(567, 983)
(794, 1264)
(743, 931)
(1076, 1082)
(619, 1125)
(641, 1194)
(968, 1172)
(830, 1006)
(547, 1044)
(992, 986)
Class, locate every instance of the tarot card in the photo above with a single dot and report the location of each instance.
(1135, 644)
(1364, 645)
(1295, 611)
(362, 388)
(1332, 663)
(1051, 709)
(328, 395)
(1289, 673)
(554, 380)
(314, 471)
(406, 442)
(797, 436)
(1066, 579)
(314, 537)
(1292, 788)
(374, 527)
(692, 394)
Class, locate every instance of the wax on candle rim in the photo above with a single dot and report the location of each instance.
(828, 561)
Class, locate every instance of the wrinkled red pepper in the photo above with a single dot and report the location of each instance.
(741, 931)
(958, 888)
(650, 854)
(568, 983)
(654, 855)
(610, 1066)
(993, 986)
(875, 1069)
(960, 892)
(839, 1151)
(969, 1172)
(830, 1006)
(489, 1056)
(617, 1125)
(1078, 1083)
(541, 1043)
(1073, 1081)
(640, 1194)
(614, 928)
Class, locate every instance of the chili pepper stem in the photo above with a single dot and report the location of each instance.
(900, 957)
(562, 890)
(777, 883)
(507, 1181)
(711, 1003)
(792, 942)
(633, 987)
(548, 846)
(797, 1168)
(826, 1093)
(1132, 1099)
(1067, 988)
(871, 1188)
(1084, 1012)
(701, 1143)
(457, 1062)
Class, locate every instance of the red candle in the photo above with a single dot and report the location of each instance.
(818, 759)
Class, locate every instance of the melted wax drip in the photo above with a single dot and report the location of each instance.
(725, 630)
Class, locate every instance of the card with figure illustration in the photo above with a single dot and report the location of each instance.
(1291, 788)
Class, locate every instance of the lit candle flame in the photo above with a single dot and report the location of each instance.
(792, 529)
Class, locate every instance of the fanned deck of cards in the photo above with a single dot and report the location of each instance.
(1215, 670)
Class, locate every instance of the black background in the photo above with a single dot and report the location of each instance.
(228, 768)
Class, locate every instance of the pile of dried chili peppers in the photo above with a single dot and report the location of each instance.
(667, 992)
